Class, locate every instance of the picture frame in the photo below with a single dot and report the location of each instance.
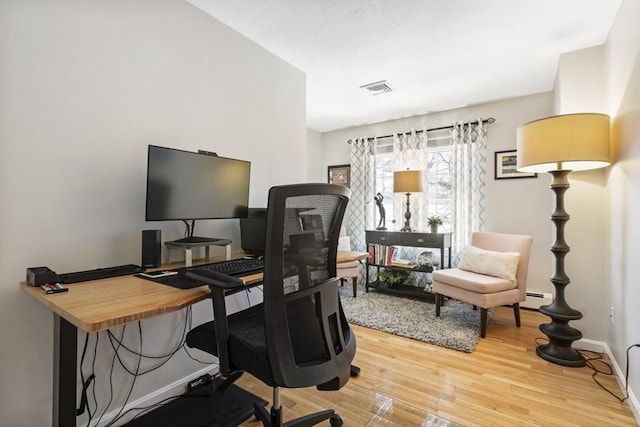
(339, 174)
(505, 166)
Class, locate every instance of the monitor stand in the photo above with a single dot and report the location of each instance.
(196, 240)
(188, 243)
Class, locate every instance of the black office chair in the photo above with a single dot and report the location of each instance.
(299, 336)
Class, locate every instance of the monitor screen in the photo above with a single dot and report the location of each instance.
(253, 231)
(183, 185)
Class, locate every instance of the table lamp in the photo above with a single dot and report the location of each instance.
(407, 182)
(559, 145)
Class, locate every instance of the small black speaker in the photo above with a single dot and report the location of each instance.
(151, 248)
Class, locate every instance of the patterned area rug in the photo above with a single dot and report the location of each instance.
(458, 326)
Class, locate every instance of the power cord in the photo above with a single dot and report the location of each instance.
(598, 358)
(117, 345)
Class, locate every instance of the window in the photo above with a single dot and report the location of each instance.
(439, 185)
(438, 178)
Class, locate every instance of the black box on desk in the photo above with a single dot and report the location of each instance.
(38, 276)
(151, 248)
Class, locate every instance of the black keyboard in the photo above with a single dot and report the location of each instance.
(234, 267)
(100, 273)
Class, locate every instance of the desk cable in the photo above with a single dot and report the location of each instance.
(118, 345)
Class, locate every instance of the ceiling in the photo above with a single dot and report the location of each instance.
(435, 54)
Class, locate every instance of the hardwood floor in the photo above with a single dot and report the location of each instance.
(502, 383)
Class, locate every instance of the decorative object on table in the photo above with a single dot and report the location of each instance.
(407, 181)
(434, 221)
(379, 198)
(559, 145)
(339, 174)
(393, 277)
(403, 263)
(425, 259)
(458, 328)
(505, 166)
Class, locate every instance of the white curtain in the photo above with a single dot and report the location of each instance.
(410, 152)
(361, 208)
(468, 170)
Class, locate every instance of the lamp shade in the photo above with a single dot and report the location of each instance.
(567, 142)
(407, 181)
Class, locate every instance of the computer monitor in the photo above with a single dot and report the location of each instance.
(184, 185)
(253, 231)
(303, 230)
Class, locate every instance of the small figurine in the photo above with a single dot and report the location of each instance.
(378, 198)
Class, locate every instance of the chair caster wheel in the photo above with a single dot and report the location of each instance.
(336, 421)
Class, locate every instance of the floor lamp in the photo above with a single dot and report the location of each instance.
(407, 182)
(559, 145)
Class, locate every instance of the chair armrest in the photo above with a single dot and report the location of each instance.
(213, 278)
(219, 284)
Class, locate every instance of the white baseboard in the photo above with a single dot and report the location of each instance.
(590, 345)
(634, 404)
(536, 299)
(175, 388)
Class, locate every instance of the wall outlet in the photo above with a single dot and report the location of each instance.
(612, 315)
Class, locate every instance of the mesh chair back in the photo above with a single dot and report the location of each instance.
(308, 338)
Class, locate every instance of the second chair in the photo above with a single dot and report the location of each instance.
(492, 272)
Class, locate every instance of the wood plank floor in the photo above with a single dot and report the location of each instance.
(502, 383)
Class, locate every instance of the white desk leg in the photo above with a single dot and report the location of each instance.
(188, 257)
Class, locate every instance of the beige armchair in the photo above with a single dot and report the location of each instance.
(492, 272)
(350, 269)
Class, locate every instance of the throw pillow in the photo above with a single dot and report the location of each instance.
(491, 263)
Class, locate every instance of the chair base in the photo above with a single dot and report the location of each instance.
(274, 418)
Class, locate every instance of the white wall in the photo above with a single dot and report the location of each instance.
(513, 205)
(606, 202)
(580, 88)
(579, 85)
(85, 87)
(622, 70)
(316, 171)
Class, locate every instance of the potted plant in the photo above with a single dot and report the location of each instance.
(393, 277)
(434, 221)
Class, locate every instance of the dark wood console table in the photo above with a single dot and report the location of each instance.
(417, 239)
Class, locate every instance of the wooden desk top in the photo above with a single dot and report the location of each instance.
(102, 304)
(98, 305)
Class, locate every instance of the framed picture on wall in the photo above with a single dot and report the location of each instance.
(505, 166)
(340, 174)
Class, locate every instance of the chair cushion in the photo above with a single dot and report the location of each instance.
(344, 243)
(497, 264)
(247, 342)
(349, 264)
(471, 281)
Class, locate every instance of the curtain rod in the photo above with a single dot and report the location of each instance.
(489, 120)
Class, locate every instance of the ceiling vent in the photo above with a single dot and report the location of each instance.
(376, 88)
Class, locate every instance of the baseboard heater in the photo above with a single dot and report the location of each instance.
(536, 299)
